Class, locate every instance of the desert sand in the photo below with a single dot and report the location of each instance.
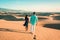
(14, 30)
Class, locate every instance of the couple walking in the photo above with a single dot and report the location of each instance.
(33, 22)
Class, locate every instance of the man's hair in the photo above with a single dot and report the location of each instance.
(33, 13)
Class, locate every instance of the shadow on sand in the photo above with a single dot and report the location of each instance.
(13, 30)
(56, 17)
(10, 18)
(54, 26)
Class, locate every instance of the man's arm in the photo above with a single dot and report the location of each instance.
(36, 21)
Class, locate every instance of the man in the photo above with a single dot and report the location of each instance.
(33, 21)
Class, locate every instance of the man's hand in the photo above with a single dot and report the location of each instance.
(36, 24)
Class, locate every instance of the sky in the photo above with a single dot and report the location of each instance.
(32, 5)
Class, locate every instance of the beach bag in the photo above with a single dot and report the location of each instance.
(24, 24)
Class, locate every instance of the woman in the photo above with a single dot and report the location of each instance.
(26, 22)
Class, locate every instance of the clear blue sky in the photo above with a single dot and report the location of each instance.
(32, 5)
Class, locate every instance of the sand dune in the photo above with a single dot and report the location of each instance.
(14, 30)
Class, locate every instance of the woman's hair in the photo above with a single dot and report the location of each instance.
(26, 16)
